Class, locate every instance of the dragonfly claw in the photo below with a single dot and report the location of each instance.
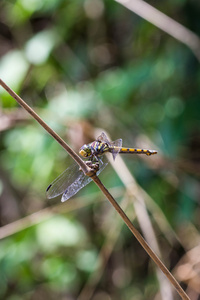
(93, 166)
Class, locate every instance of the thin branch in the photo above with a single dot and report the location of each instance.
(112, 234)
(140, 239)
(165, 23)
(136, 195)
(71, 152)
(88, 172)
(138, 201)
(46, 213)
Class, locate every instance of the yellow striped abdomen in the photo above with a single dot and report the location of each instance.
(136, 151)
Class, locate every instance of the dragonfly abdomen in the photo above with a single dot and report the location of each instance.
(137, 151)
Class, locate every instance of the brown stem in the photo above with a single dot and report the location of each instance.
(140, 239)
(88, 171)
(71, 152)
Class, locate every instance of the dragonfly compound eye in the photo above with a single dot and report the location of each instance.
(85, 151)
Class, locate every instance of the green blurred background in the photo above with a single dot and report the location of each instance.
(83, 65)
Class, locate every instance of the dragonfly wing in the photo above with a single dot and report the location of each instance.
(76, 186)
(103, 138)
(118, 143)
(81, 181)
(60, 184)
(116, 147)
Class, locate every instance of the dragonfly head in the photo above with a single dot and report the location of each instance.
(85, 151)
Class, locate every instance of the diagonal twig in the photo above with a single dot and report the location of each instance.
(140, 239)
(94, 177)
(165, 23)
(71, 152)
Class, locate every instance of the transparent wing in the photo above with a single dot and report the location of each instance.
(70, 182)
(81, 181)
(103, 138)
(59, 185)
(115, 147)
(117, 143)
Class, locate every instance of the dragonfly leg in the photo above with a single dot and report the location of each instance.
(93, 165)
(99, 160)
(94, 158)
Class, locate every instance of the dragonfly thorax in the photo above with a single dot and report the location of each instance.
(93, 149)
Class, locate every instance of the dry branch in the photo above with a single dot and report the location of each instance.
(88, 172)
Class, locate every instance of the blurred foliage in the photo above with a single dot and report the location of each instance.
(81, 65)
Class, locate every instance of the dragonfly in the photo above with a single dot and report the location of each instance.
(73, 178)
